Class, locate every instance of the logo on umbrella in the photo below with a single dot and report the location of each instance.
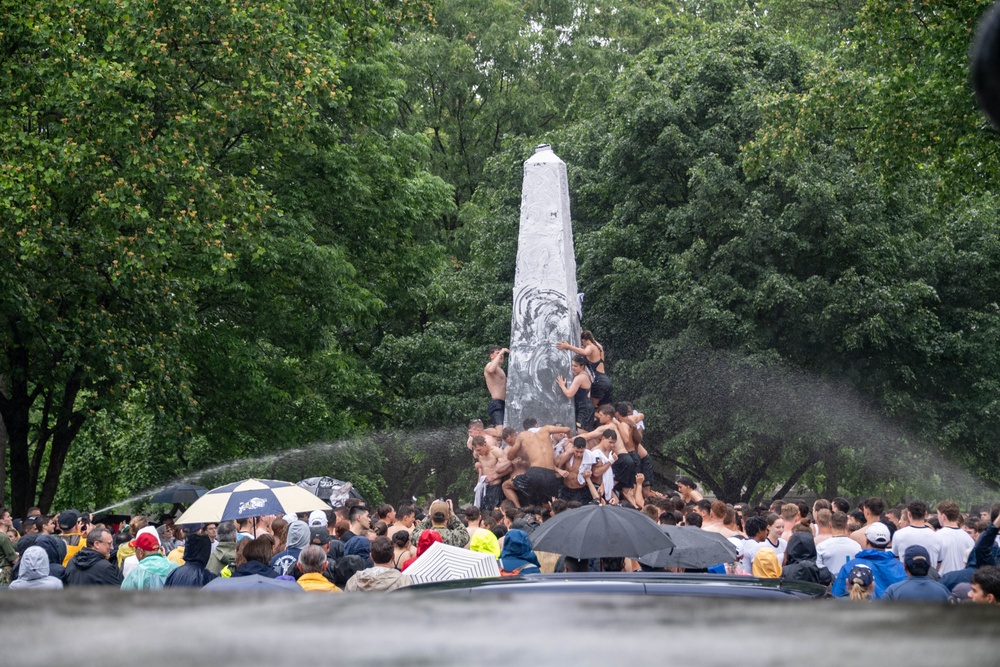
(252, 504)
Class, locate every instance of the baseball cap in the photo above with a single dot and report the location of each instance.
(317, 519)
(319, 536)
(917, 557)
(961, 591)
(439, 510)
(878, 534)
(146, 542)
(148, 530)
(861, 575)
(192, 528)
(68, 519)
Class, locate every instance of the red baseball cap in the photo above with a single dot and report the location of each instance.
(146, 542)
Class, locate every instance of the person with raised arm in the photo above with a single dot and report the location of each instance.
(496, 383)
(600, 392)
(579, 391)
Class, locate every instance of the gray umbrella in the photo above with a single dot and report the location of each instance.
(600, 531)
(693, 548)
(179, 494)
(251, 582)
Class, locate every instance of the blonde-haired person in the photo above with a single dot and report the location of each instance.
(125, 550)
(861, 583)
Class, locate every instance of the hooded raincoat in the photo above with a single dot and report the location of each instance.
(192, 573)
(884, 566)
(378, 578)
(90, 568)
(151, 573)
(484, 541)
(427, 538)
(34, 571)
(518, 555)
(53, 547)
(224, 554)
(800, 561)
(765, 564)
(360, 547)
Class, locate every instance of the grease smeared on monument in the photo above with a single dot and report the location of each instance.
(545, 296)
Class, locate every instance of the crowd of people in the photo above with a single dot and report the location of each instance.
(900, 553)
(908, 552)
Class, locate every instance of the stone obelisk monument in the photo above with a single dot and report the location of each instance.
(545, 297)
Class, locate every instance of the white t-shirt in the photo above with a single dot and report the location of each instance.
(833, 552)
(588, 459)
(751, 547)
(608, 479)
(955, 546)
(913, 535)
(779, 548)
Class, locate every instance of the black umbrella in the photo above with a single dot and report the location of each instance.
(331, 490)
(600, 531)
(693, 548)
(179, 494)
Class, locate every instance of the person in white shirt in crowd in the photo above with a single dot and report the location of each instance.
(756, 530)
(917, 533)
(954, 542)
(775, 527)
(837, 549)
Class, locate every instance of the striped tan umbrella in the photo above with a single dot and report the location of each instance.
(443, 562)
(250, 498)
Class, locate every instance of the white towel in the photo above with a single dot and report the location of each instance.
(480, 490)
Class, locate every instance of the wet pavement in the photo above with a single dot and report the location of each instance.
(181, 628)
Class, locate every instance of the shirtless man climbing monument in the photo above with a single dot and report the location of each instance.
(496, 382)
(491, 462)
(541, 483)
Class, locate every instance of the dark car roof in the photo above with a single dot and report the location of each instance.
(630, 583)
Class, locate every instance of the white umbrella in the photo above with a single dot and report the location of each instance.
(443, 562)
(250, 498)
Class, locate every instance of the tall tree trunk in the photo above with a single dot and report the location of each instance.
(795, 476)
(68, 424)
(15, 410)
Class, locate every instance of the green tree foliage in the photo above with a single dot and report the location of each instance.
(897, 93)
(686, 246)
(146, 249)
(232, 230)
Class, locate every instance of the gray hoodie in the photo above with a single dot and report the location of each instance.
(34, 571)
(298, 535)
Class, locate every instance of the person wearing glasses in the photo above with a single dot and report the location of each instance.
(90, 566)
